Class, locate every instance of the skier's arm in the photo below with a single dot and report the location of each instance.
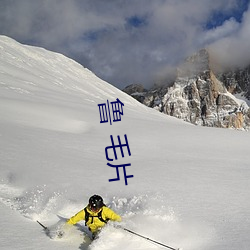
(110, 214)
(77, 217)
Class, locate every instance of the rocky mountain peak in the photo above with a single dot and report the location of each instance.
(196, 64)
(200, 96)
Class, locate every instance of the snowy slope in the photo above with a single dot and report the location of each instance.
(190, 187)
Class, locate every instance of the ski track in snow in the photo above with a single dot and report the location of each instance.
(144, 214)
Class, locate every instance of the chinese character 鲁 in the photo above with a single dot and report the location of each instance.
(117, 111)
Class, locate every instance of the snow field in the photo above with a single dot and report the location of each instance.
(190, 187)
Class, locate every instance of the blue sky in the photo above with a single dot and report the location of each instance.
(131, 41)
(218, 17)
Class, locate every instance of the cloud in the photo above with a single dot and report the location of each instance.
(121, 41)
(233, 49)
(228, 28)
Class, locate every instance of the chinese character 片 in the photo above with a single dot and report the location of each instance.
(117, 172)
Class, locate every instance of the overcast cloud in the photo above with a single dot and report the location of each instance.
(131, 41)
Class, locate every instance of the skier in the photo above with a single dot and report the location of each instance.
(95, 214)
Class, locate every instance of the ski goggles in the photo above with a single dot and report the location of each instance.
(94, 208)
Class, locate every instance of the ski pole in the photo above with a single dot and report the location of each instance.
(45, 228)
(146, 238)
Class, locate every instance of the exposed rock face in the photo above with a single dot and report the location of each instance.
(137, 91)
(237, 81)
(199, 97)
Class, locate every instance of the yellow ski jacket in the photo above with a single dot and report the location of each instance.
(94, 223)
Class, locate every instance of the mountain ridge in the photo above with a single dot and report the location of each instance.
(201, 95)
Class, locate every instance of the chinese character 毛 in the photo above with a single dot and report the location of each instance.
(120, 145)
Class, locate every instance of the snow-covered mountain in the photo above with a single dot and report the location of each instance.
(237, 81)
(190, 187)
(201, 95)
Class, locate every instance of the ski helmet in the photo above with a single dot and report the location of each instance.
(95, 202)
